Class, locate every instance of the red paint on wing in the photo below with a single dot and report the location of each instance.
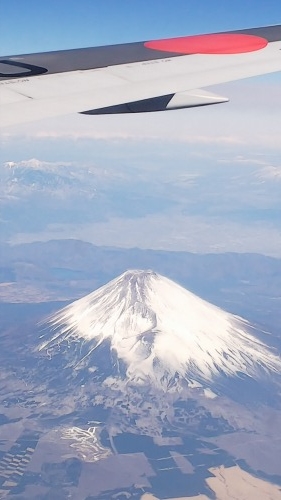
(209, 44)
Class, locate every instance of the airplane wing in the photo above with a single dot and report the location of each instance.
(154, 75)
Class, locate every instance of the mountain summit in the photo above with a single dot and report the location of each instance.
(159, 333)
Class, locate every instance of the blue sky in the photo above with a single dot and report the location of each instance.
(233, 145)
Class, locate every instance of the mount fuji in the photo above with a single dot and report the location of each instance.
(143, 329)
(138, 389)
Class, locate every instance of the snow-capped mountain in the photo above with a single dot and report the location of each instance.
(157, 333)
(33, 176)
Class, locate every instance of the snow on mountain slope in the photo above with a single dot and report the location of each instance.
(161, 332)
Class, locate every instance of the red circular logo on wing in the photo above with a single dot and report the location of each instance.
(209, 44)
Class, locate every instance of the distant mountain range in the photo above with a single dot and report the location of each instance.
(189, 207)
(35, 194)
(28, 177)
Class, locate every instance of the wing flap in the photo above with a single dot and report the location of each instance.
(181, 100)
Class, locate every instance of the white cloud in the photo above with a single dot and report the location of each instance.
(240, 159)
(147, 127)
(270, 173)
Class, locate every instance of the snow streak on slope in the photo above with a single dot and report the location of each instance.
(162, 332)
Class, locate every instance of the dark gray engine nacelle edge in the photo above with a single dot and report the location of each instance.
(180, 100)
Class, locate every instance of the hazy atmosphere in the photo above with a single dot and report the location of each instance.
(202, 180)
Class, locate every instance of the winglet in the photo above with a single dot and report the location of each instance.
(193, 98)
